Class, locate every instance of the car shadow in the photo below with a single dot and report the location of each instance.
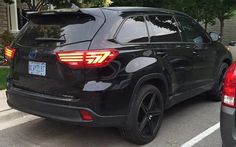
(45, 132)
(195, 101)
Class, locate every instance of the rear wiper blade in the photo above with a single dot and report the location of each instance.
(50, 40)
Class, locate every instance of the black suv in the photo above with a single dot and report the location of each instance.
(113, 67)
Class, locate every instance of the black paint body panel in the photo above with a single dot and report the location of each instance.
(107, 92)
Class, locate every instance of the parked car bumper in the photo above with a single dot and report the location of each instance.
(228, 126)
(48, 107)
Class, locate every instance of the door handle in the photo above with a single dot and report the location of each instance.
(188, 46)
(191, 46)
(178, 46)
(161, 53)
(195, 53)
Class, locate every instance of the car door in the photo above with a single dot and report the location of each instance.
(204, 53)
(166, 41)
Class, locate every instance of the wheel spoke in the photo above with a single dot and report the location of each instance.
(143, 123)
(155, 128)
(152, 101)
(144, 108)
(151, 127)
(155, 113)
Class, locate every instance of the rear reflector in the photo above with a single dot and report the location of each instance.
(87, 59)
(86, 115)
(9, 52)
(229, 89)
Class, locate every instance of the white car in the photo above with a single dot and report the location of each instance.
(232, 49)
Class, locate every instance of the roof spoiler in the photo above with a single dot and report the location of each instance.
(30, 14)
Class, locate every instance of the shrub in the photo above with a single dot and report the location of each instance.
(1, 51)
(1, 54)
(6, 38)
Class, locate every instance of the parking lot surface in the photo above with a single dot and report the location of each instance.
(181, 124)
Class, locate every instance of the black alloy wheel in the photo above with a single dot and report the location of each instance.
(149, 114)
(145, 116)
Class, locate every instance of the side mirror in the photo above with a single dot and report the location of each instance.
(232, 43)
(214, 36)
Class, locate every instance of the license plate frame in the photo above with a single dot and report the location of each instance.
(37, 68)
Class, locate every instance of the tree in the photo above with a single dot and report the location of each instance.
(107, 3)
(38, 5)
(208, 16)
(201, 10)
(143, 3)
(206, 11)
(224, 9)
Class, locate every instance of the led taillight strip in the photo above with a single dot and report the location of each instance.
(93, 57)
(87, 59)
(70, 57)
(9, 52)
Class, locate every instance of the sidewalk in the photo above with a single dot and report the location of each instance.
(10, 117)
(2, 94)
(3, 101)
(4, 67)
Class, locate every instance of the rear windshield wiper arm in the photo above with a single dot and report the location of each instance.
(50, 40)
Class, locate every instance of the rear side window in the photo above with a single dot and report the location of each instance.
(134, 30)
(192, 32)
(163, 29)
(56, 30)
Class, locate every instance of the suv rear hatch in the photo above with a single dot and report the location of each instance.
(35, 65)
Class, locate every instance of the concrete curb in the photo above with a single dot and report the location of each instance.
(4, 67)
(3, 101)
(2, 93)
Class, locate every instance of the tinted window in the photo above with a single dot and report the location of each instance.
(192, 31)
(163, 29)
(70, 28)
(133, 30)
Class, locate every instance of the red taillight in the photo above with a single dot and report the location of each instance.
(87, 59)
(85, 115)
(229, 90)
(9, 52)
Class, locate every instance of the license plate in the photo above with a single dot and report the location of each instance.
(37, 68)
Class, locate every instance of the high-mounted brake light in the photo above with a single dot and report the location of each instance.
(87, 59)
(229, 89)
(9, 52)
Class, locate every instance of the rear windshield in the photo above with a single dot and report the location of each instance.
(57, 30)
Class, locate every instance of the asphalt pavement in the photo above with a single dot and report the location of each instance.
(182, 124)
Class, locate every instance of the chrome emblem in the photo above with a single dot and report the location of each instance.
(33, 54)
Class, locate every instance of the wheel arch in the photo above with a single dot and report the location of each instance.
(157, 80)
(227, 61)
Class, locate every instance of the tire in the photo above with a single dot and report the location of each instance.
(145, 116)
(216, 93)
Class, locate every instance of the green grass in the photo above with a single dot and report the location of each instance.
(3, 74)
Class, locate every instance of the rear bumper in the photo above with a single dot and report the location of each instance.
(228, 126)
(48, 107)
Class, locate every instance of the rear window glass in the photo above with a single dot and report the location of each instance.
(57, 30)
